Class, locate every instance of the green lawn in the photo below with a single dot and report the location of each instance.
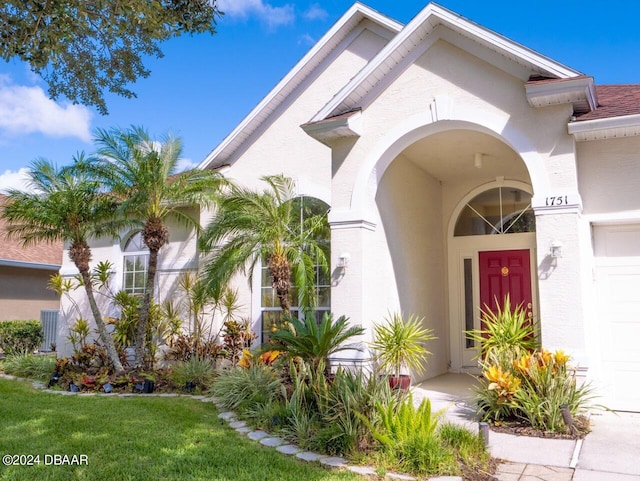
(139, 438)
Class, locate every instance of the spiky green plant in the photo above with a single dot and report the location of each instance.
(399, 343)
(312, 341)
(506, 330)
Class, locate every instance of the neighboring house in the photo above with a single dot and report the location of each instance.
(24, 275)
(459, 166)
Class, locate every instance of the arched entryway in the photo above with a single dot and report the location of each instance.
(491, 253)
(424, 265)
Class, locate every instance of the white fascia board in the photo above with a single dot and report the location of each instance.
(431, 16)
(553, 93)
(611, 125)
(29, 265)
(357, 10)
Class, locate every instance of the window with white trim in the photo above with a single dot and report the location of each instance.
(270, 306)
(136, 265)
(502, 210)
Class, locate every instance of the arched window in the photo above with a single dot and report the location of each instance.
(503, 210)
(136, 265)
(270, 306)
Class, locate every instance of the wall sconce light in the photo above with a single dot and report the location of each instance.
(343, 260)
(555, 250)
(477, 160)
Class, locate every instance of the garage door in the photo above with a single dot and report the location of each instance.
(617, 252)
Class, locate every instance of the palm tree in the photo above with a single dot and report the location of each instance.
(249, 226)
(69, 207)
(141, 174)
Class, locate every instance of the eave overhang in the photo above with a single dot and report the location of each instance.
(341, 126)
(29, 265)
(603, 129)
(577, 91)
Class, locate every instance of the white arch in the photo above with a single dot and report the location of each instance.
(479, 190)
(422, 125)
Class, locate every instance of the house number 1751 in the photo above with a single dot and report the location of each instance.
(559, 200)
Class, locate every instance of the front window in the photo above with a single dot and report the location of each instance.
(271, 311)
(136, 265)
(503, 210)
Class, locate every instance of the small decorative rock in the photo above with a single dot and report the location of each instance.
(244, 430)
(168, 394)
(257, 435)
(227, 415)
(364, 470)
(237, 424)
(272, 442)
(289, 449)
(309, 456)
(334, 462)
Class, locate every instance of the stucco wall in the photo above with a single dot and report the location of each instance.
(24, 293)
(284, 148)
(608, 174)
(406, 268)
(180, 255)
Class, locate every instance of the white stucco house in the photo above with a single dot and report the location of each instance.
(459, 166)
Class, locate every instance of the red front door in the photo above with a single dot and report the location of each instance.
(502, 273)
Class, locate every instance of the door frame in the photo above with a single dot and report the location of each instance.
(465, 247)
(462, 358)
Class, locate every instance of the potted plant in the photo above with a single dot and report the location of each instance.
(399, 344)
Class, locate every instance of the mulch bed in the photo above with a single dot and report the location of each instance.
(520, 428)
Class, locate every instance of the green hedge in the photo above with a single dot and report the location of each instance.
(20, 336)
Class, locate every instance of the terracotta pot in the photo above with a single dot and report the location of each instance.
(403, 382)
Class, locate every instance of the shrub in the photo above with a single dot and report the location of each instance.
(532, 389)
(409, 437)
(237, 336)
(508, 330)
(185, 347)
(29, 365)
(399, 343)
(200, 372)
(244, 389)
(20, 336)
(314, 342)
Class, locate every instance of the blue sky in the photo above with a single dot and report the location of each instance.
(205, 85)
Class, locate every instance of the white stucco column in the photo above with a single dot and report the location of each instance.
(561, 281)
(347, 284)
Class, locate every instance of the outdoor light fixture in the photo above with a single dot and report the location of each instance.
(343, 260)
(555, 250)
(477, 160)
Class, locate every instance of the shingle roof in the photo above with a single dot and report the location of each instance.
(615, 101)
(12, 250)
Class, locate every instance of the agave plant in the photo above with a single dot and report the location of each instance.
(312, 341)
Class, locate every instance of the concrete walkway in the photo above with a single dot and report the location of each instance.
(611, 452)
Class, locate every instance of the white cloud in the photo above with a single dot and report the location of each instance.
(272, 16)
(306, 39)
(26, 110)
(186, 164)
(315, 12)
(14, 180)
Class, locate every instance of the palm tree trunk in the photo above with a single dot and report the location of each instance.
(145, 309)
(80, 254)
(280, 272)
(105, 338)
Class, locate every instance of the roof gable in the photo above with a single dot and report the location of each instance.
(424, 28)
(347, 26)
